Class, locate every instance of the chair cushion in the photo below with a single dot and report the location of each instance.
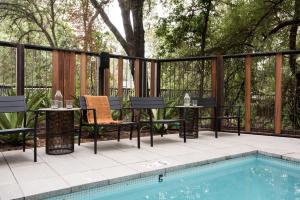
(102, 107)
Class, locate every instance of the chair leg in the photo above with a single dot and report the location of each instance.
(34, 146)
(138, 136)
(184, 132)
(95, 139)
(161, 134)
(24, 140)
(131, 130)
(119, 133)
(151, 135)
(216, 128)
(239, 127)
(79, 134)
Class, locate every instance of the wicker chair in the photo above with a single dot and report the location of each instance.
(148, 103)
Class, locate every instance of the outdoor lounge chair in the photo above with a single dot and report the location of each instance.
(228, 112)
(96, 112)
(16, 104)
(148, 103)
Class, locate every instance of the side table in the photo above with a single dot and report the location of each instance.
(191, 115)
(59, 130)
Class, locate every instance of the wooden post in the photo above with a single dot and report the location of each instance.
(220, 86)
(152, 79)
(82, 75)
(106, 81)
(213, 87)
(71, 83)
(278, 85)
(158, 73)
(248, 62)
(137, 77)
(214, 77)
(120, 77)
(20, 71)
(103, 77)
(66, 75)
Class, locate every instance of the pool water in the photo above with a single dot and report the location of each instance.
(253, 177)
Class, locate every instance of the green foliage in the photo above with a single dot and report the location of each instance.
(181, 31)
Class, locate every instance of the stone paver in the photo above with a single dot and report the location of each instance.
(116, 162)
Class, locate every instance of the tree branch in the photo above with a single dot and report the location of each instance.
(110, 25)
(283, 25)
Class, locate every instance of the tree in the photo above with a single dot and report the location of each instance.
(32, 16)
(186, 28)
(83, 17)
(134, 41)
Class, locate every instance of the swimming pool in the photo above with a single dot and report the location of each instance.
(253, 177)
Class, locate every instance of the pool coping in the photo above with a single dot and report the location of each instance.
(153, 172)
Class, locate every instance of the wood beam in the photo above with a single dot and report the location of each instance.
(120, 77)
(137, 77)
(220, 87)
(214, 77)
(153, 79)
(106, 81)
(278, 93)
(248, 61)
(72, 65)
(83, 74)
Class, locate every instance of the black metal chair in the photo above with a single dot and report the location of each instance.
(149, 103)
(115, 104)
(226, 111)
(16, 104)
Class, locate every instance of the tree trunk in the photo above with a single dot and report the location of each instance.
(134, 41)
(203, 44)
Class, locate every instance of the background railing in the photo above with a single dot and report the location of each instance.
(266, 85)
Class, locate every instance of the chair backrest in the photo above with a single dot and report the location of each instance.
(206, 102)
(82, 102)
(115, 103)
(102, 108)
(147, 102)
(12, 104)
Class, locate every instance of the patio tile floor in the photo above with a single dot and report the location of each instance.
(115, 162)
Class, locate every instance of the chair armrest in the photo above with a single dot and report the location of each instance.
(90, 109)
(87, 109)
